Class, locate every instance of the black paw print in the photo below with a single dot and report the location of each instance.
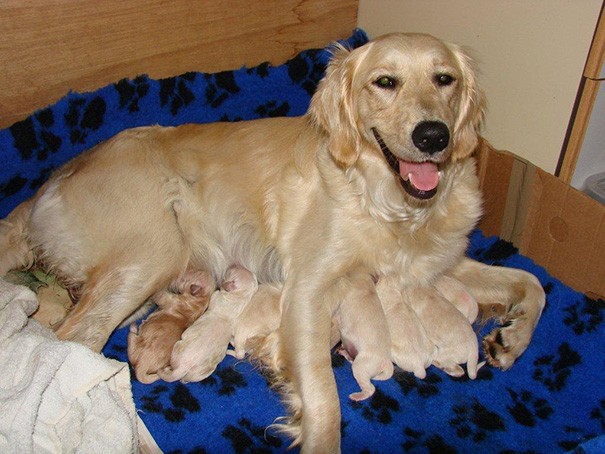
(33, 136)
(84, 116)
(247, 437)
(180, 400)
(176, 92)
(425, 388)
(12, 186)
(598, 413)
(306, 70)
(272, 109)
(497, 252)
(379, 408)
(415, 439)
(131, 91)
(261, 70)
(475, 421)
(526, 408)
(553, 372)
(229, 378)
(585, 317)
(220, 87)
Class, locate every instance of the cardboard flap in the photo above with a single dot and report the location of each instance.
(557, 226)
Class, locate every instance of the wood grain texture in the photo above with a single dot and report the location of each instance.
(48, 47)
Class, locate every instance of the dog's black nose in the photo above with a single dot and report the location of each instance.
(431, 136)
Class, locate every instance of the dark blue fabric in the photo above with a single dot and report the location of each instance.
(552, 400)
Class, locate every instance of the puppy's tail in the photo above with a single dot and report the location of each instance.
(15, 251)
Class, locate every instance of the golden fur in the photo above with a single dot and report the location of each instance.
(305, 200)
(150, 344)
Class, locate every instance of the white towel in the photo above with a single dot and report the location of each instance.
(58, 396)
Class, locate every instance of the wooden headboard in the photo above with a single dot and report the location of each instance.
(48, 47)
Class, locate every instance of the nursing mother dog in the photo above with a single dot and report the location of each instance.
(377, 179)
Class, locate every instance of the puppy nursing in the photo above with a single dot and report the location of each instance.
(377, 178)
(204, 344)
(150, 344)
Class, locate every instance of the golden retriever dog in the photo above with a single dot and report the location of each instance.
(150, 344)
(204, 344)
(376, 177)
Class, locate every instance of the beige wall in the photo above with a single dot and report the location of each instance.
(531, 52)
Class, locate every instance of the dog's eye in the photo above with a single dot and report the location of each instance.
(444, 80)
(385, 82)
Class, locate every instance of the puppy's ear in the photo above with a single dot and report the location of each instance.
(471, 106)
(333, 109)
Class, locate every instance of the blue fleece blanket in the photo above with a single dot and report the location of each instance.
(552, 400)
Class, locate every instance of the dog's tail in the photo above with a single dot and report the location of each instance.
(15, 251)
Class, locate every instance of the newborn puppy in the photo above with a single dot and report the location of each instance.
(457, 294)
(150, 345)
(204, 344)
(365, 334)
(411, 349)
(260, 317)
(449, 330)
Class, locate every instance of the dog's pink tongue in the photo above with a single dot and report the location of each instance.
(423, 175)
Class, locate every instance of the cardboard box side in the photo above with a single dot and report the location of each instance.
(559, 227)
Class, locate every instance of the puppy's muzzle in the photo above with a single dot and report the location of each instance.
(431, 136)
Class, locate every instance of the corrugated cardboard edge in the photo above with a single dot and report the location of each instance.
(559, 227)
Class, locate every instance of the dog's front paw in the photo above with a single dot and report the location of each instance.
(506, 343)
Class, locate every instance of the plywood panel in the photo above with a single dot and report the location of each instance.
(48, 47)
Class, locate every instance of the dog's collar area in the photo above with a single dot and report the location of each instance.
(394, 163)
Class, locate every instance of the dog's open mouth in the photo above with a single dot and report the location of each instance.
(418, 179)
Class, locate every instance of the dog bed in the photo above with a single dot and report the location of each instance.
(552, 400)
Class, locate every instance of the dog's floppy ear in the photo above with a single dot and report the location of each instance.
(332, 106)
(471, 107)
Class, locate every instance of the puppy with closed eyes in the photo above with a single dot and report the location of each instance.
(364, 334)
(411, 348)
(449, 330)
(259, 318)
(204, 344)
(378, 176)
(150, 344)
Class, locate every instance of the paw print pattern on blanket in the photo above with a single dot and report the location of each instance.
(273, 109)
(586, 316)
(247, 437)
(179, 402)
(33, 136)
(304, 73)
(84, 116)
(176, 92)
(425, 388)
(379, 408)
(553, 371)
(415, 440)
(526, 408)
(476, 421)
(131, 92)
(227, 379)
(220, 87)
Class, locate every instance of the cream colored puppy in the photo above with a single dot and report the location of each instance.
(457, 294)
(456, 342)
(365, 335)
(204, 344)
(260, 317)
(411, 348)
